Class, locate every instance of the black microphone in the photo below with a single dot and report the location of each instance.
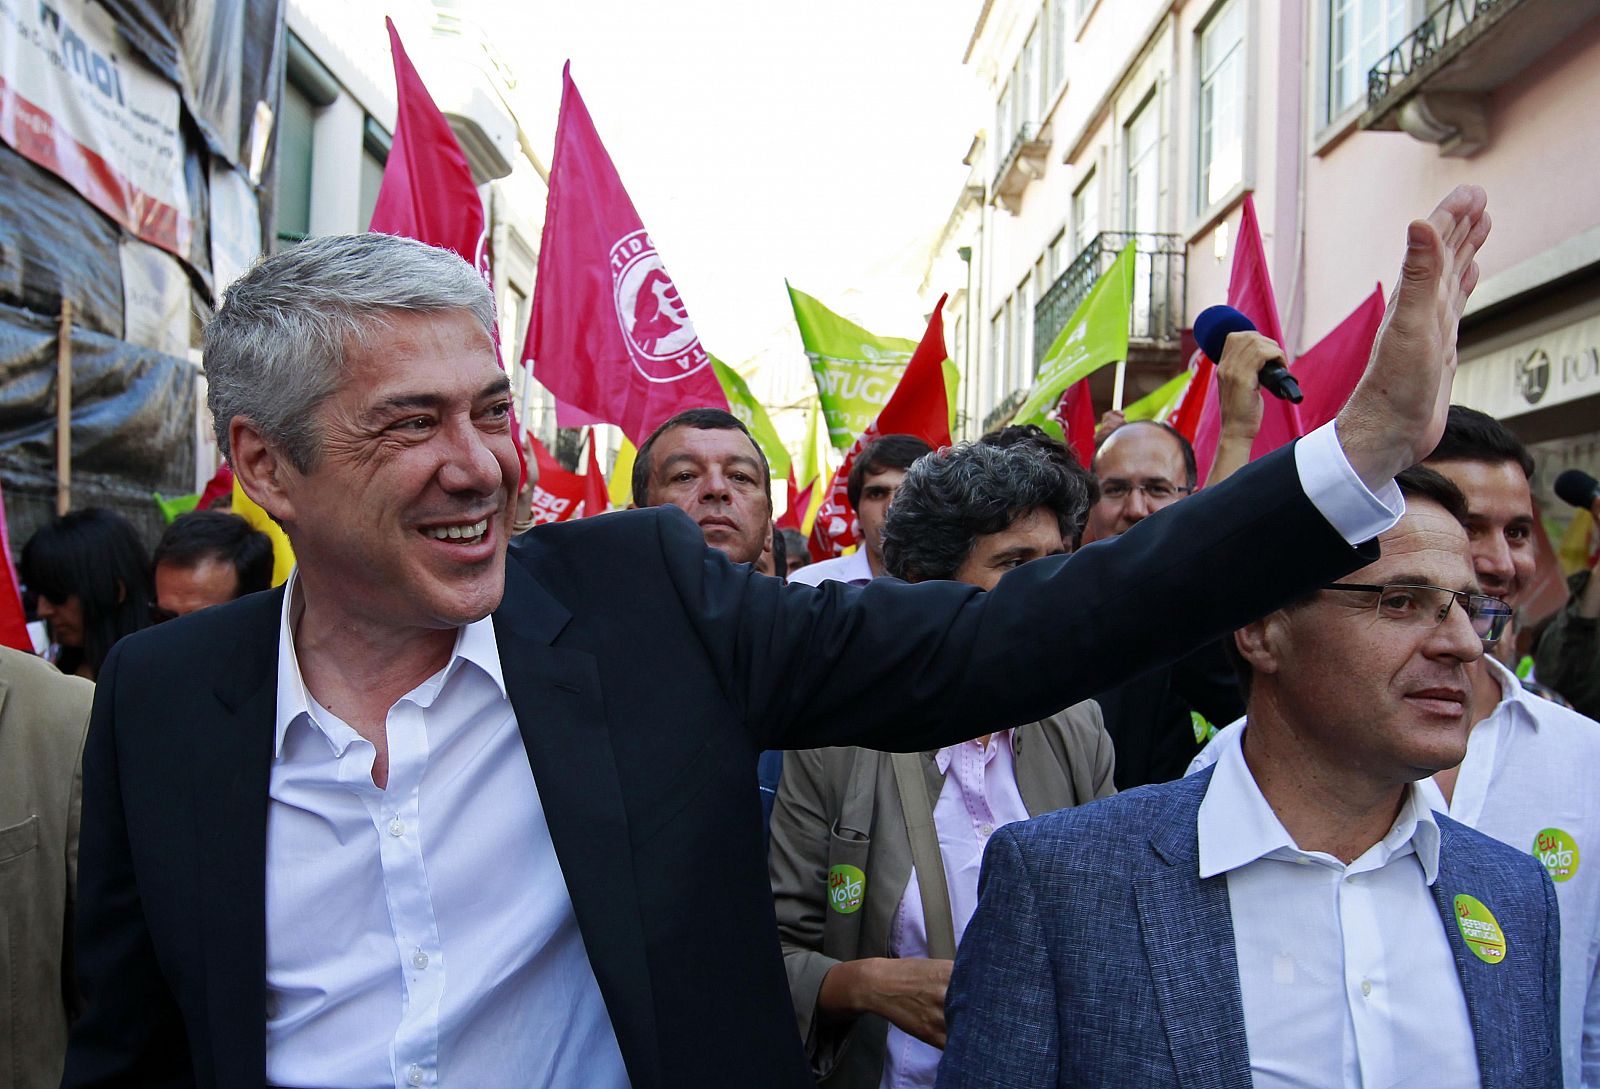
(1578, 488)
(1211, 331)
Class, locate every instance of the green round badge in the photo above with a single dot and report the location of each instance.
(1559, 853)
(1480, 929)
(846, 889)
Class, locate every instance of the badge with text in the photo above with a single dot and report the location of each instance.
(846, 889)
(1480, 929)
(1559, 853)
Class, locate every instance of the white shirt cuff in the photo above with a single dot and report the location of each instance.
(1338, 493)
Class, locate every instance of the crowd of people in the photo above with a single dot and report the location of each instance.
(1072, 775)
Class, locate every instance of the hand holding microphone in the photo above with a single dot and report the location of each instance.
(1580, 489)
(1212, 330)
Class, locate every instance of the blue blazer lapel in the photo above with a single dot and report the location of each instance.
(1187, 927)
(555, 692)
(1505, 1030)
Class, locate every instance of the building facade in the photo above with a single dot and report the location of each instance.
(1149, 120)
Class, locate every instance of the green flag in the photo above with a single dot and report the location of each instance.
(743, 404)
(1157, 404)
(1096, 334)
(856, 371)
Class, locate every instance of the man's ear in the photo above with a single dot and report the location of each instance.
(261, 469)
(1255, 644)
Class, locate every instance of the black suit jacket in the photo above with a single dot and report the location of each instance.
(1148, 717)
(647, 673)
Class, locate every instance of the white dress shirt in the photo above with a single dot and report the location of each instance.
(1346, 972)
(980, 794)
(1533, 766)
(854, 569)
(421, 935)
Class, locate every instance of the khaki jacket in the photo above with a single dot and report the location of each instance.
(840, 806)
(43, 720)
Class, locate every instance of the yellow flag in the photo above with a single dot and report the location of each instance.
(814, 467)
(282, 554)
(621, 484)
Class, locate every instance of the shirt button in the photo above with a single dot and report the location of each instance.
(985, 830)
(397, 827)
(414, 1075)
(420, 959)
(1366, 988)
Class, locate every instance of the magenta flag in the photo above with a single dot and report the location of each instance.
(13, 621)
(610, 334)
(1330, 369)
(1250, 293)
(427, 192)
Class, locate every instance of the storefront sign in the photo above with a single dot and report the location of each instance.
(77, 101)
(1549, 369)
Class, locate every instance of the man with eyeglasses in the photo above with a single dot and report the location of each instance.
(1158, 721)
(1532, 765)
(1297, 914)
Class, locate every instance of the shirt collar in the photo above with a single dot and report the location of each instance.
(475, 643)
(1512, 694)
(944, 756)
(1237, 826)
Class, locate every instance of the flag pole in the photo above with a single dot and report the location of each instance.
(1121, 382)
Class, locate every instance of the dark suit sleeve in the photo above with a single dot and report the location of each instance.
(1001, 1009)
(1205, 680)
(910, 668)
(131, 1032)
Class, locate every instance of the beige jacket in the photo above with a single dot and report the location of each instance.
(44, 718)
(841, 807)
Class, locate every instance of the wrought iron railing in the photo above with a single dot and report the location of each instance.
(1445, 27)
(1158, 279)
(1027, 133)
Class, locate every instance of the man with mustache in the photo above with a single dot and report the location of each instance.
(1296, 915)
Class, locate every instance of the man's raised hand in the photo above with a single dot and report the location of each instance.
(1396, 415)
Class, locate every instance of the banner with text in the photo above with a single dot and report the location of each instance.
(856, 371)
(77, 101)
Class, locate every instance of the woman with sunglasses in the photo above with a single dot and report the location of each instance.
(92, 577)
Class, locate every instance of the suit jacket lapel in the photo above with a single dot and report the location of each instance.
(1041, 780)
(232, 737)
(555, 692)
(1188, 937)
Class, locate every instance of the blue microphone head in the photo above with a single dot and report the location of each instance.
(1212, 327)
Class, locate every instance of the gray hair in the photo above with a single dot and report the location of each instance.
(951, 498)
(276, 349)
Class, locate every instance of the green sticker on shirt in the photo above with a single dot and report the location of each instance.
(1559, 853)
(847, 887)
(1480, 929)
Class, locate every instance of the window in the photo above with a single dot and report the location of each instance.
(374, 154)
(1360, 32)
(1055, 17)
(1022, 362)
(1005, 121)
(1142, 140)
(1085, 213)
(1221, 104)
(998, 356)
(292, 198)
(1032, 85)
(1058, 257)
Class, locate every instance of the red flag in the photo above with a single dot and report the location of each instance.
(1186, 421)
(610, 334)
(557, 493)
(427, 192)
(13, 621)
(919, 406)
(595, 499)
(1077, 415)
(1249, 292)
(1330, 369)
(220, 484)
(795, 510)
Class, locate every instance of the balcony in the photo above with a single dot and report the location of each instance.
(1435, 84)
(1158, 278)
(1022, 164)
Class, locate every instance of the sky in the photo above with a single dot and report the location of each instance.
(819, 142)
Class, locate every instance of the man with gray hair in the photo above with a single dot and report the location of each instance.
(434, 813)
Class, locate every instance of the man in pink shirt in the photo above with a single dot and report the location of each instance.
(868, 932)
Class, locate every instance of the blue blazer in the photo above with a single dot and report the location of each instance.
(1098, 957)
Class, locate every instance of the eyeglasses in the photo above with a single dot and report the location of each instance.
(1429, 606)
(1156, 490)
